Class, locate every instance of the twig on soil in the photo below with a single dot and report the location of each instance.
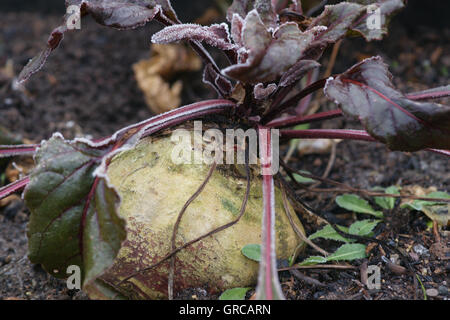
(320, 266)
(437, 237)
(298, 203)
(299, 233)
(330, 164)
(177, 224)
(346, 188)
(330, 160)
(306, 279)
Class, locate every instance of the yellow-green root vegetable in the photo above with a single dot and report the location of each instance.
(153, 191)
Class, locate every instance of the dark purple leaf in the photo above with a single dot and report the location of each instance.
(36, 64)
(237, 24)
(263, 7)
(292, 5)
(344, 17)
(351, 18)
(269, 56)
(377, 12)
(297, 72)
(216, 35)
(166, 8)
(260, 92)
(121, 14)
(366, 92)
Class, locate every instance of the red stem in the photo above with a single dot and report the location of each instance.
(18, 150)
(268, 284)
(440, 92)
(439, 151)
(14, 187)
(327, 134)
(295, 120)
(346, 134)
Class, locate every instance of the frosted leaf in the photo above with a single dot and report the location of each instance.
(263, 7)
(270, 55)
(216, 35)
(237, 24)
(261, 93)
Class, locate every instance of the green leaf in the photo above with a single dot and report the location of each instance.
(252, 251)
(234, 294)
(329, 233)
(363, 227)
(435, 210)
(302, 179)
(419, 204)
(387, 203)
(74, 218)
(313, 260)
(354, 203)
(348, 252)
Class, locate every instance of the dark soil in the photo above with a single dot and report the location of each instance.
(88, 88)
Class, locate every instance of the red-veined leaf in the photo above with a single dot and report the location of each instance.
(74, 218)
(366, 92)
(347, 18)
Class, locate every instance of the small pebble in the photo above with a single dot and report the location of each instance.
(420, 249)
(443, 290)
(432, 292)
(395, 258)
